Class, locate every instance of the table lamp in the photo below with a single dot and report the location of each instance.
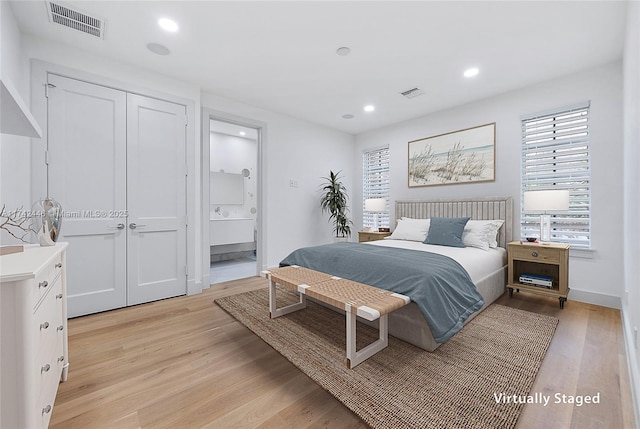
(375, 206)
(543, 202)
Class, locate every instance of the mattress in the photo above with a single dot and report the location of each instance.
(487, 269)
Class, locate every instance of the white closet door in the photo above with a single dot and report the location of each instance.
(87, 175)
(156, 199)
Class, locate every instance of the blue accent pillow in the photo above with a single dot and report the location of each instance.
(446, 231)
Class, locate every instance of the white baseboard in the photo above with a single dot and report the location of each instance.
(632, 367)
(595, 298)
(206, 281)
(193, 287)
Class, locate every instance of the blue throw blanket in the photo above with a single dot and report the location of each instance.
(436, 283)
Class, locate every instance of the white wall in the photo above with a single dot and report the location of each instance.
(631, 99)
(597, 279)
(15, 153)
(293, 150)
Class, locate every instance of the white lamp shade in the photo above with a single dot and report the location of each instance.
(375, 205)
(546, 201)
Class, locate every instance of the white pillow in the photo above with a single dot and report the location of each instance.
(481, 233)
(411, 229)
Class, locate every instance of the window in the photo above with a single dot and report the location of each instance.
(555, 155)
(375, 183)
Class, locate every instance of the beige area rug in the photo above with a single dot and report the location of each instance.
(498, 352)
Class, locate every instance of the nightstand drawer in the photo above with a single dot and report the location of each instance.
(364, 236)
(368, 237)
(535, 254)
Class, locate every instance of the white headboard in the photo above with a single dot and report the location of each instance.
(485, 208)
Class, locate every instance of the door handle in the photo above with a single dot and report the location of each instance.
(134, 226)
(118, 226)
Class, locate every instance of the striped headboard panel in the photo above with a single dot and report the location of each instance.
(485, 208)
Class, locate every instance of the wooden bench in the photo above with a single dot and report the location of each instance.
(356, 299)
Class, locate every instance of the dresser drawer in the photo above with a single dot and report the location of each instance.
(535, 254)
(49, 380)
(47, 320)
(46, 279)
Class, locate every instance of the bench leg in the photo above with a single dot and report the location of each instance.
(355, 357)
(277, 312)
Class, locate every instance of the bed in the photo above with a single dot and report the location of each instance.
(486, 266)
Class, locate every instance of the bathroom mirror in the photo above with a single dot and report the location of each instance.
(226, 188)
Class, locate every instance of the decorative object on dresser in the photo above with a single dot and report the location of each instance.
(16, 223)
(539, 268)
(375, 206)
(364, 236)
(47, 221)
(33, 292)
(553, 200)
(457, 157)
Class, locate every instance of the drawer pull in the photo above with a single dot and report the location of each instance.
(44, 325)
(59, 296)
(61, 359)
(534, 254)
(43, 284)
(60, 328)
(46, 410)
(59, 265)
(45, 368)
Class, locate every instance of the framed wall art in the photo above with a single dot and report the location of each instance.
(463, 156)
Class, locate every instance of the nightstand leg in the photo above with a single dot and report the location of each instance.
(562, 301)
(510, 292)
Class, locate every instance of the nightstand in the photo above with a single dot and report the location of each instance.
(364, 236)
(539, 263)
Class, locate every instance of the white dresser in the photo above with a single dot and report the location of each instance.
(33, 341)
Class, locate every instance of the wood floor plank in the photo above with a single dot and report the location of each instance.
(256, 411)
(184, 362)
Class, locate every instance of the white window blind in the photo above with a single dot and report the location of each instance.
(555, 155)
(375, 183)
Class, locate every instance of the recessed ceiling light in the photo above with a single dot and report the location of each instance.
(159, 49)
(369, 108)
(343, 51)
(242, 133)
(168, 24)
(347, 116)
(471, 72)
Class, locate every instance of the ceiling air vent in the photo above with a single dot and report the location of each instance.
(75, 19)
(412, 93)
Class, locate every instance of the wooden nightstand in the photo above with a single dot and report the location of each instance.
(371, 235)
(546, 260)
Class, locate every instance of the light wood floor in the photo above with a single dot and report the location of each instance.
(185, 363)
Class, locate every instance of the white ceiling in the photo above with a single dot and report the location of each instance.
(281, 55)
(233, 130)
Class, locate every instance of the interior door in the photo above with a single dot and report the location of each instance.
(87, 175)
(156, 199)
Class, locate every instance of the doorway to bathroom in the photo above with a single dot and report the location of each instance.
(233, 200)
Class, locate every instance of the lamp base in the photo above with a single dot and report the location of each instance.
(545, 228)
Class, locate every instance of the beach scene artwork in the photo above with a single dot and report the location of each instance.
(458, 157)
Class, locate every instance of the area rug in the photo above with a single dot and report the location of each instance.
(465, 383)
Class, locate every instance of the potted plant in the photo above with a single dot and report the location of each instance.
(334, 200)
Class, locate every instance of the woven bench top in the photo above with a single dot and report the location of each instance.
(367, 301)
